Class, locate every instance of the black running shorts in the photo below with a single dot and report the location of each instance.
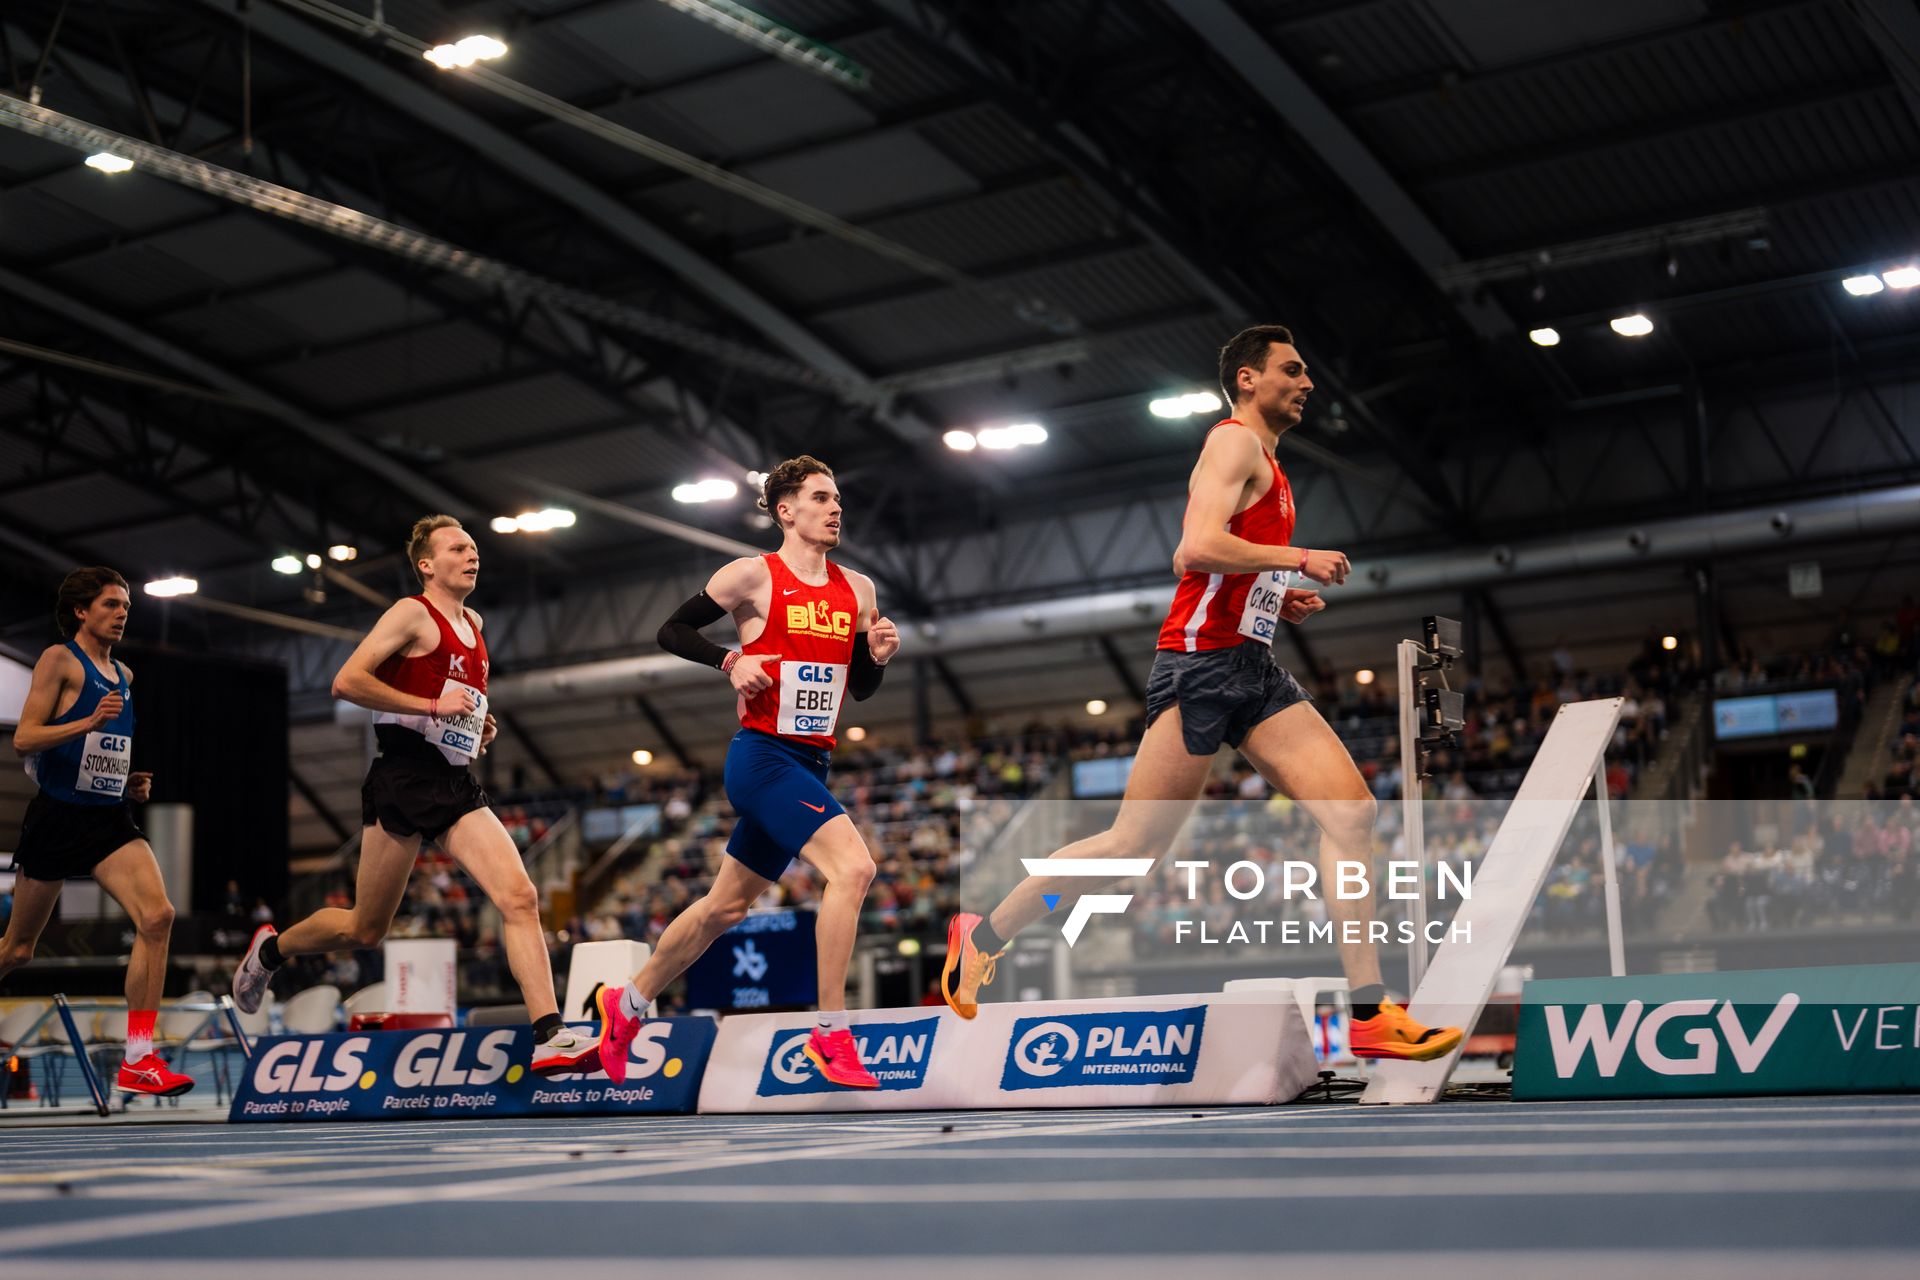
(410, 798)
(61, 841)
(1222, 693)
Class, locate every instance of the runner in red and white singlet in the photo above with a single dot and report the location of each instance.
(422, 671)
(810, 635)
(1219, 610)
(1214, 681)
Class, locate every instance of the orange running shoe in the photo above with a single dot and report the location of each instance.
(837, 1058)
(151, 1075)
(1392, 1034)
(968, 968)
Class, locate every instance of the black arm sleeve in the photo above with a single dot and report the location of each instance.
(863, 679)
(680, 634)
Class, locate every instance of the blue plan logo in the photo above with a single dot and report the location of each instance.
(461, 742)
(1149, 1047)
(812, 724)
(897, 1053)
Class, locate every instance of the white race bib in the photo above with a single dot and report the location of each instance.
(810, 696)
(105, 761)
(458, 737)
(1260, 616)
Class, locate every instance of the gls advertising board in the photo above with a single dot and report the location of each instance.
(1843, 1029)
(479, 1071)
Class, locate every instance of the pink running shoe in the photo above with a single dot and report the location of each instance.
(838, 1059)
(617, 1031)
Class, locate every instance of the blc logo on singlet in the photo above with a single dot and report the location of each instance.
(817, 620)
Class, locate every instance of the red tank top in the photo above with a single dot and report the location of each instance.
(453, 661)
(1220, 610)
(812, 629)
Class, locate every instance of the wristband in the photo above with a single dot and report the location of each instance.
(726, 663)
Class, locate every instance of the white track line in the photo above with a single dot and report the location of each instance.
(1429, 1264)
(1798, 1181)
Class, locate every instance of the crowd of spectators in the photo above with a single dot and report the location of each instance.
(1860, 864)
(1902, 778)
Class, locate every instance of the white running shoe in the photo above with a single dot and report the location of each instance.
(567, 1051)
(251, 979)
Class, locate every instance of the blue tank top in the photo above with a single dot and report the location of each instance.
(92, 768)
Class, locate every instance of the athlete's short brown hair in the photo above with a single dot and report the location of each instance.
(420, 541)
(787, 479)
(79, 590)
(1248, 349)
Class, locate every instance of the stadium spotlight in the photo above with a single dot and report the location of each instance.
(463, 53)
(164, 587)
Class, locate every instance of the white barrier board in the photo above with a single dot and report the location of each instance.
(419, 976)
(1505, 884)
(1192, 1050)
(594, 964)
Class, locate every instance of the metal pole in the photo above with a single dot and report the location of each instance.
(80, 1051)
(1616, 945)
(1410, 802)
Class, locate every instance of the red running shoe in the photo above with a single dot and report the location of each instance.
(152, 1076)
(617, 1031)
(838, 1059)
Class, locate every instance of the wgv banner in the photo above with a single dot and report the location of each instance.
(1844, 1029)
(479, 1071)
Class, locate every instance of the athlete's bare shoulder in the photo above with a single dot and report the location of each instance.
(479, 623)
(57, 662)
(738, 581)
(863, 588)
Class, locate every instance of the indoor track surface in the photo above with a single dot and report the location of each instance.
(1762, 1188)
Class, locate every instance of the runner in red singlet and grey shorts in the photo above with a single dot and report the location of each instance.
(422, 671)
(1214, 681)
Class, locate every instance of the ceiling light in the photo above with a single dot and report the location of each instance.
(173, 587)
(342, 552)
(1669, 643)
(534, 521)
(313, 560)
(1184, 406)
(1544, 337)
(107, 162)
(1096, 707)
(643, 757)
(856, 734)
(756, 479)
(1012, 436)
(1633, 326)
(705, 491)
(464, 53)
(1363, 676)
(1862, 286)
(961, 441)
(286, 564)
(1901, 277)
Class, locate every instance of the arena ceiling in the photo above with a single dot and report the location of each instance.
(1033, 210)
